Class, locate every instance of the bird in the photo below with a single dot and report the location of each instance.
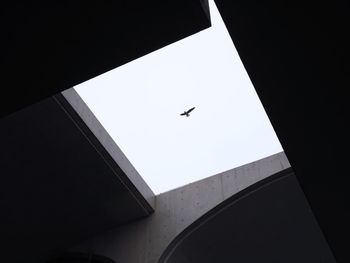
(187, 113)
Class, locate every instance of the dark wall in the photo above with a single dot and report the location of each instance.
(296, 54)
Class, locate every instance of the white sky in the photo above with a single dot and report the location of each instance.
(139, 104)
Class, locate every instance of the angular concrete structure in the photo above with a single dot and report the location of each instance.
(70, 193)
(60, 185)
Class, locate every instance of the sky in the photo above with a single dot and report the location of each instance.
(139, 104)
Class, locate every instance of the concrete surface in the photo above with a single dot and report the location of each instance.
(145, 240)
(108, 143)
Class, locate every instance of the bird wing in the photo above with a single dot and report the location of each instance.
(183, 113)
(190, 110)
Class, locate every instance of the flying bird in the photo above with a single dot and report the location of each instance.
(187, 113)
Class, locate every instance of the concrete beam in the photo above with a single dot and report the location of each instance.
(109, 147)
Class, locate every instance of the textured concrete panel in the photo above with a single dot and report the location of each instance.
(145, 240)
(270, 221)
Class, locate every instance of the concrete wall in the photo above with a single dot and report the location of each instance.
(145, 240)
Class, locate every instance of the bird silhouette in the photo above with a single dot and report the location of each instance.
(187, 113)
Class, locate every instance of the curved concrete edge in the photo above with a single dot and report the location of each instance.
(110, 150)
(145, 240)
(270, 219)
(174, 244)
